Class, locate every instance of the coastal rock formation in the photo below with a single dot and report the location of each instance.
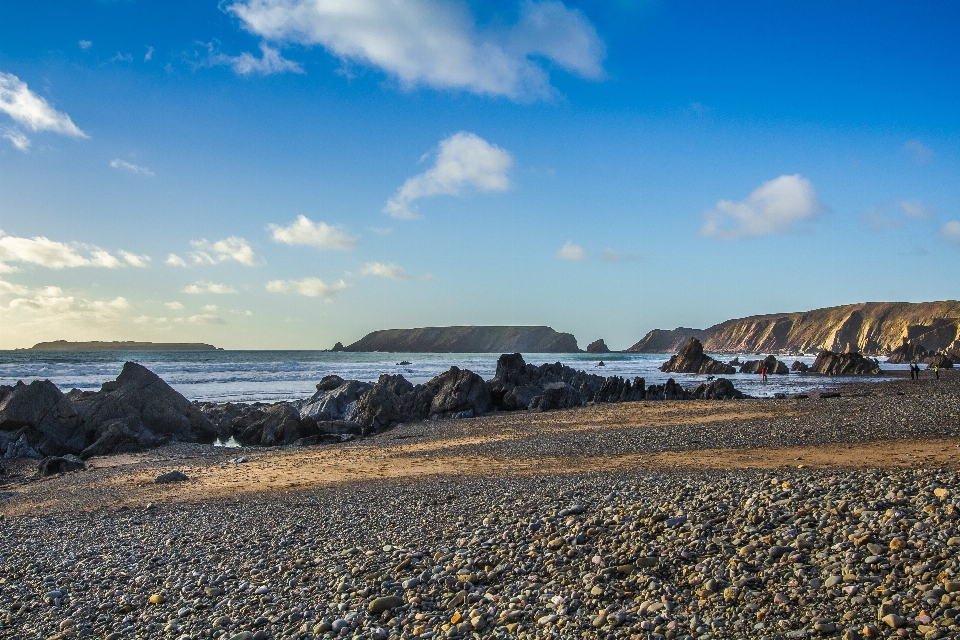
(829, 363)
(941, 361)
(467, 340)
(43, 417)
(872, 328)
(908, 352)
(60, 464)
(719, 389)
(773, 366)
(598, 346)
(691, 359)
(96, 345)
(799, 367)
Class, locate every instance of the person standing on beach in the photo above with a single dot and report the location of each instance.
(936, 371)
(911, 372)
(763, 374)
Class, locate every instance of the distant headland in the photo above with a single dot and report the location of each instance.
(466, 340)
(96, 345)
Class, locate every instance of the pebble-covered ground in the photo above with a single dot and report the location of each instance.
(780, 553)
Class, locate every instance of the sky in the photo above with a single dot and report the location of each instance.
(286, 174)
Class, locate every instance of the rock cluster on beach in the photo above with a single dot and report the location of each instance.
(773, 366)
(692, 359)
(708, 555)
(829, 363)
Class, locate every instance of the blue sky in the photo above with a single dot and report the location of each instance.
(287, 174)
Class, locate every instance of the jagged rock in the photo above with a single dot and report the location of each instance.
(46, 418)
(941, 361)
(161, 412)
(338, 347)
(691, 359)
(735, 362)
(774, 366)
(669, 390)
(719, 389)
(19, 447)
(799, 367)
(382, 406)
(329, 383)
(336, 403)
(280, 424)
(829, 363)
(458, 390)
(60, 464)
(121, 435)
(598, 346)
(556, 395)
(908, 353)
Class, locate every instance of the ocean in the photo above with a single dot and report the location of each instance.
(270, 376)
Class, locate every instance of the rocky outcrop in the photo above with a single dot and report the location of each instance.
(799, 367)
(96, 345)
(60, 464)
(598, 346)
(692, 359)
(467, 340)
(719, 389)
(942, 361)
(908, 353)
(829, 363)
(44, 417)
(872, 328)
(773, 366)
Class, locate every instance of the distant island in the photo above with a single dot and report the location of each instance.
(871, 328)
(96, 345)
(467, 340)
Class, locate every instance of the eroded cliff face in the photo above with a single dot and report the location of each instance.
(872, 328)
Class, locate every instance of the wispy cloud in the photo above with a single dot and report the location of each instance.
(463, 160)
(52, 302)
(206, 318)
(392, 271)
(175, 261)
(777, 206)
(304, 231)
(173, 305)
(437, 43)
(200, 287)
(42, 251)
(245, 64)
(122, 57)
(951, 232)
(894, 214)
(32, 111)
(234, 249)
(117, 163)
(85, 44)
(918, 152)
(572, 252)
(148, 56)
(311, 287)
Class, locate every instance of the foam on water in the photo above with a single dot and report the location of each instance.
(269, 376)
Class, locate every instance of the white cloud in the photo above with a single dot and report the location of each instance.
(311, 287)
(894, 214)
(18, 139)
(572, 252)
(206, 318)
(56, 255)
(10, 288)
(232, 248)
(776, 206)
(200, 286)
(173, 305)
(175, 261)
(149, 319)
(914, 208)
(51, 301)
(269, 62)
(85, 44)
(951, 232)
(463, 160)
(30, 110)
(391, 271)
(918, 152)
(209, 307)
(304, 231)
(437, 43)
(133, 259)
(617, 257)
(149, 55)
(117, 163)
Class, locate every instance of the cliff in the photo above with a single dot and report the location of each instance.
(96, 345)
(873, 328)
(468, 340)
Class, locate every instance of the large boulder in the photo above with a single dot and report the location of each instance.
(773, 366)
(598, 346)
(799, 367)
(719, 389)
(44, 417)
(940, 360)
(334, 402)
(383, 405)
(669, 390)
(829, 363)
(692, 359)
(161, 411)
(121, 435)
(556, 395)
(278, 424)
(60, 464)
(458, 390)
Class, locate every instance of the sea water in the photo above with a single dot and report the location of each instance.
(269, 376)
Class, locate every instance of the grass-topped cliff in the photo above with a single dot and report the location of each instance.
(468, 340)
(96, 345)
(874, 328)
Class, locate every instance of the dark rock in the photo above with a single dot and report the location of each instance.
(799, 367)
(556, 395)
(121, 435)
(829, 363)
(773, 366)
(53, 425)
(337, 403)
(338, 347)
(138, 392)
(908, 353)
(691, 359)
(328, 383)
(60, 464)
(669, 390)
(280, 424)
(941, 361)
(458, 390)
(19, 447)
(719, 389)
(171, 476)
(598, 346)
(382, 406)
